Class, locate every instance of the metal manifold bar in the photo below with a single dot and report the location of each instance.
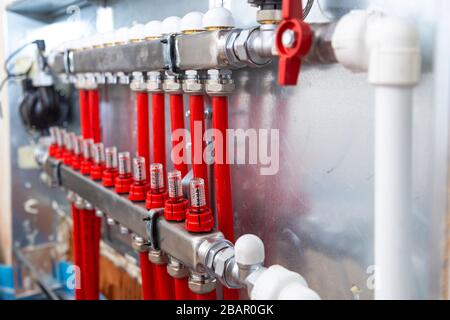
(170, 237)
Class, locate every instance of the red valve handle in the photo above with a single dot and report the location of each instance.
(290, 56)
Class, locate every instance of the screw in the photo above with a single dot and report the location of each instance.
(288, 38)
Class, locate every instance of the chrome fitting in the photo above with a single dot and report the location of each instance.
(139, 244)
(123, 78)
(80, 81)
(176, 269)
(219, 82)
(99, 213)
(138, 82)
(253, 47)
(110, 222)
(90, 82)
(157, 256)
(193, 82)
(88, 205)
(71, 196)
(173, 84)
(123, 230)
(269, 16)
(154, 82)
(79, 202)
(100, 78)
(201, 283)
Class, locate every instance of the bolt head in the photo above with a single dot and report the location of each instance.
(288, 38)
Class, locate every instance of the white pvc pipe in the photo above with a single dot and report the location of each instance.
(394, 278)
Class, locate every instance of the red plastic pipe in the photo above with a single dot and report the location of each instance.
(159, 130)
(163, 283)
(77, 252)
(85, 114)
(198, 128)
(147, 273)
(224, 204)
(177, 123)
(88, 270)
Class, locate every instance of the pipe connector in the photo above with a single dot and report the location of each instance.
(90, 82)
(176, 269)
(219, 82)
(138, 83)
(201, 283)
(155, 82)
(111, 78)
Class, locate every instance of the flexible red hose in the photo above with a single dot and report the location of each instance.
(77, 252)
(88, 256)
(207, 296)
(164, 283)
(147, 273)
(94, 108)
(85, 117)
(198, 128)
(182, 291)
(222, 178)
(143, 134)
(177, 122)
(159, 130)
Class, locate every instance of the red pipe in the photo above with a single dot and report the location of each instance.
(207, 296)
(87, 276)
(198, 128)
(224, 204)
(147, 273)
(177, 123)
(77, 252)
(182, 291)
(159, 130)
(163, 283)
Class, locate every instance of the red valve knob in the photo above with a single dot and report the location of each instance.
(140, 186)
(124, 179)
(293, 41)
(111, 172)
(199, 217)
(157, 195)
(176, 205)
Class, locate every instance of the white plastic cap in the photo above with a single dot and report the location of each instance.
(136, 32)
(277, 282)
(121, 35)
(171, 25)
(218, 18)
(249, 250)
(108, 38)
(152, 29)
(193, 21)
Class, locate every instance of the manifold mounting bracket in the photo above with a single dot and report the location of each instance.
(151, 229)
(169, 55)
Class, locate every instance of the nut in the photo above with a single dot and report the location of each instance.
(268, 16)
(138, 82)
(110, 222)
(201, 283)
(214, 88)
(221, 260)
(139, 244)
(99, 213)
(240, 45)
(154, 82)
(157, 256)
(176, 269)
(172, 85)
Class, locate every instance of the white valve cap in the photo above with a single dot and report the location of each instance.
(152, 29)
(121, 35)
(193, 21)
(279, 283)
(136, 33)
(218, 18)
(171, 25)
(249, 250)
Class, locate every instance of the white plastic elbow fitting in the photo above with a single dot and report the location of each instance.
(388, 48)
(218, 18)
(278, 283)
(152, 29)
(171, 25)
(192, 22)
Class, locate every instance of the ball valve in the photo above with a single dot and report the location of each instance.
(293, 41)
